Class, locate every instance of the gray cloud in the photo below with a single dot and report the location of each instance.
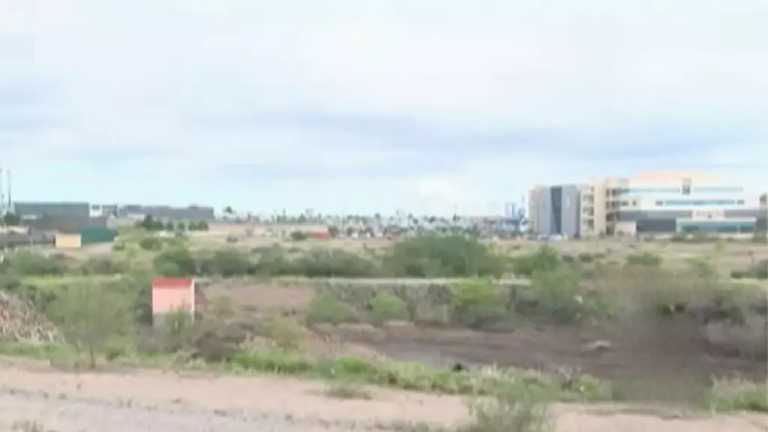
(402, 100)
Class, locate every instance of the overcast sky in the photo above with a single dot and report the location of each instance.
(374, 105)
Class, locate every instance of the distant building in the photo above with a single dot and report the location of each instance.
(191, 213)
(70, 217)
(38, 210)
(555, 210)
(68, 241)
(664, 203)
(172, 295)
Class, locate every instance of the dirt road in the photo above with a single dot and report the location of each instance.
(170, 402)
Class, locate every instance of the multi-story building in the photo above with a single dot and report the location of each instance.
(191, 213)
(655, 203)
(555, 210)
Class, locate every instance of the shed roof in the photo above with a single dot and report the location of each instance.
(171, 283)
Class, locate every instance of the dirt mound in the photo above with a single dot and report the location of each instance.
(19, 322)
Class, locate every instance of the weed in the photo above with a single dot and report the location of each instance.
(543, 260)
(644, 259)
(477, 303)
(27, 426)
(286, 333)
(388, 307)
(347, 390)
(737, 394)
(326, 309)
(151, 244)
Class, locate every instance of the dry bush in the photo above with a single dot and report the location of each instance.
(347, 390)
(286, 333)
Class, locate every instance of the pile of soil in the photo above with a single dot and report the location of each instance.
(20, 322)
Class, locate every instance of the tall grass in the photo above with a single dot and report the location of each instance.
(738, 395)
(419, 377)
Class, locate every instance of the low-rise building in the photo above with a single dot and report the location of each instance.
(68, 241)
(171, 295)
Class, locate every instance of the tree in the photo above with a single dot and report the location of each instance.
(11, 219)
(181, 226)
(229, 210)
(169, 226)
(333, 231)
(299, 236)
(90, 317)
(150, 224)
(177, 262)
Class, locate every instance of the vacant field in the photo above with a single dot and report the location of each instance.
(169, 402)
(645, 328)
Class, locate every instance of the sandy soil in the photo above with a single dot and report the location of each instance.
(170, 402)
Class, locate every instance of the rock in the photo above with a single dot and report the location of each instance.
(396, 325)
(597, 346)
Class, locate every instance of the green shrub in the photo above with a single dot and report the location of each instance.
(511, 412)
(9, 282)
(198, 226)
(544, 260)
(299, 236)
(645, 259)
(760, 237)
(739, 274)
(326, 309)
(442, 256)
(388, 307)
(558, 295)
(33, 264)
(273, 261)
(216, 341)
(90, 317)
(738, 395)
(137, 286)
(176, 262)
(278, 362)
(756, 271)
(102, 266)
(477, 303)
(231, 262)
(333, 263)
(151, 243)
(586, 257)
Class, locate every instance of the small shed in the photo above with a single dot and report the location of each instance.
(96, 234)
(68, 241)
(172, 295)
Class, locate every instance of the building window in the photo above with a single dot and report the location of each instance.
(686, 186)
(659, 203)
(740, 202)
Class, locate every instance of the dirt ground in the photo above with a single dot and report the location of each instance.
(670, 362)
(158, 401)
(668, 359)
